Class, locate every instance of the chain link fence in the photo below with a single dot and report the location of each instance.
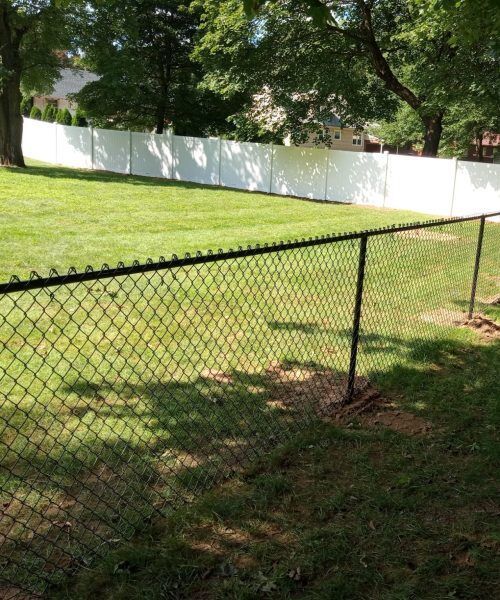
(125, 391)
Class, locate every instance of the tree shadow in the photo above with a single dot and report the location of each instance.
(58, 172)
(130, 450)
(292, 326)
(334, 501)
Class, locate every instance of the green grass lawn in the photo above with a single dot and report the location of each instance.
(123, 395)
(59, 217)
(349, 512)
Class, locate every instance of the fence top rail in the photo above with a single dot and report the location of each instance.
(55, 279)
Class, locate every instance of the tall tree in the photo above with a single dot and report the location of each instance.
(346, 53)
(142, 52)
(30, 31)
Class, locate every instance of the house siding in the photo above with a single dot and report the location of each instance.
(42, 101)
(345, 143)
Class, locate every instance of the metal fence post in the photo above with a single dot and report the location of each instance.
(476, 267)
(356, 318)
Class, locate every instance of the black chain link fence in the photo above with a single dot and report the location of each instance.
(125, 391)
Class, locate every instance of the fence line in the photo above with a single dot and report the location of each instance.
(442, 187)
(124, 391)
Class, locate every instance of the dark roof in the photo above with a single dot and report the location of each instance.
(333, 121)
(71, 81)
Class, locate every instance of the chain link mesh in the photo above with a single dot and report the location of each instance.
(124, 392)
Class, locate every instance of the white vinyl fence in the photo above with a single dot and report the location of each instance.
(441, 187)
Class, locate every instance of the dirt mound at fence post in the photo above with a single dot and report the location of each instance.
(484, 327)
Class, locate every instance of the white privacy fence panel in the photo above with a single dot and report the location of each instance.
(74, 146)
(39, 140)
(196, 159)
(417, 183)
(299, 172)
(152, 155)
(429, 185)
(246, 166)
(357, 177)
(111, 150)
(477, 188)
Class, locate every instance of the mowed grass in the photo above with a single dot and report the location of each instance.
(348, 512)
(54, 217)
(122, 395)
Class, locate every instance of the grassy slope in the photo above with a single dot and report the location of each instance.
(161, 335)
(349, 513)
(58, 217)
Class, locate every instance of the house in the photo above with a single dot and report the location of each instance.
(485, 149)
(341, 138)
(71, 81)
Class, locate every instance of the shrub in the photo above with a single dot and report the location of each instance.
(26, 106)
(67, 118)
(63, 116)
(36, 113)
(49, 113)
(79, 119)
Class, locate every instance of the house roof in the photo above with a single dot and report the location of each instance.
(333, 121)
(71, 81)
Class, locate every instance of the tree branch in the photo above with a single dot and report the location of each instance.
(377, 58)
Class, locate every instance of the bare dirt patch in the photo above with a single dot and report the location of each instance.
(484, 327)
(492, 300)
(302, 387)
(15, 593)
(217, 376)
(397, 420)
(324, 392)
(444, 316)
(428, 234)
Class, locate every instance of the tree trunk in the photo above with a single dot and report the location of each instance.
(160, 120)
(11, 121)
(433, 131)
(11, 126)
(480, 147)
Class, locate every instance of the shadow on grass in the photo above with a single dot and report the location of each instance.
(344, 513)
(125, 453)
(59, 172)
(139, 448)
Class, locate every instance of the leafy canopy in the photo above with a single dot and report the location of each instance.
(148, 79)
(358, 58)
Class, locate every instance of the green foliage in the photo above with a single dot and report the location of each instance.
(465, 125)
(404, 130)
(26, 106)
(49, 113)
(79, 119)
(469, 21)
(63, 116)
(43, 26)
(142, 51)
(36, 113)
(355, 58)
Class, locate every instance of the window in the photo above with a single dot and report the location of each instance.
(356, 139)
(337, 134)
